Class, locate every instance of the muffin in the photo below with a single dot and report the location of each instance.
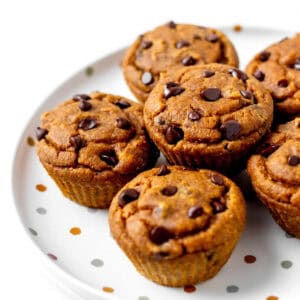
(208, 116)
(278, 69)
(178, 226)
(275, 175)
(172, 46)
(91, 145)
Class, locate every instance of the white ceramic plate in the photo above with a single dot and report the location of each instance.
(89, 261)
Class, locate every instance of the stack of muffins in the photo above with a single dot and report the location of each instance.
(179, 224)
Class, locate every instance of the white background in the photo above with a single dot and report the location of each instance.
(41, 44)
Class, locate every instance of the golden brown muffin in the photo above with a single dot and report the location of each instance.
(278, 69)
(172, 46)
(275, 175)
(208, 116)
(92, 145)
(178, 226)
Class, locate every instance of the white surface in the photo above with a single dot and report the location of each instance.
(42, 43)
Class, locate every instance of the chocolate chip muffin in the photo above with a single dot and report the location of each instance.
(275, 175)
(91, 145)
(208, 116)
(278, 69)
(178, 226)
(172, 46)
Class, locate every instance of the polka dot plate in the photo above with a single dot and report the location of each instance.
(76, 243)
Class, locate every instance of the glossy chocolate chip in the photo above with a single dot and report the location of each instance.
(212, 38)
(77, 142)
(173, 134)
(283, 83)
(211, 94)
(146, 44)
(217, 179)
(163, 170)
(127, 196)
(172, 89)
(231, 130)
(84, 105)
(40, 133)
(194, 115)
(172, 24)
(123, 123)
(87, 124)
(297, 64)
(238, 74)
(182, 43)
(293, 160)
(109, 158)
(217, 206)
(246, 94)
(195, 211)
(268, 149)
(259, 75)
(81, 97)
(159, 235)
(169, 190)
(188, 61)
(147, 78)
(122, 104)
(264, 56)
(208, 73)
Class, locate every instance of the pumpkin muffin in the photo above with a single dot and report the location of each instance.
(178, 226)
(172, 46)
(208, 116)
(91, 145)
(278, 69)
(275, 175)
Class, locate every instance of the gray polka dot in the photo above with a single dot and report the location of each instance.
(232, 289)
(286, 264)
(289, 236)
(92, 210)
(41, 210)
(143, 298)
(89, 71)
(32, 231)
(97, 262)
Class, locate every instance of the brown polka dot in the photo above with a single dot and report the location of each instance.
(190, 288)
(237, 28)
(272, 298)
(30, 141)
(249, 259)
(41, 187)
(75, 230)
(107, 289)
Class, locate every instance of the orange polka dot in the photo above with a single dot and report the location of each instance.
(107, 289)
(41, 187)
(30, 141)
(75, 230)
(190, 288)
(237, 28)
(272, 298)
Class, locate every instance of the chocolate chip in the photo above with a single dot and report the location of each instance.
(194, 115)
(197, 36)
(87, 124)
(123, 123)
(77, 142)
(188, 61)
(40, 133)
(268, 149)
(159, 235)
(208, 73)
(259, 75)
(211, 94)
(169, 190)
(81, 97)
(231, 129)
(84, 105)
(212, 38)
(264, 56)
(173, 134)
(246, 94)
(146, 44)
(172, 24)
(128, 196)
(217, 206)
(283, 83)
(147, 78)
(297, 64)
(238, 74)
(182, 43)
(122, 104)
(217, 179)
(293, 160)
(195, 211)
(172, 89)
(109, 158)
(163, 170)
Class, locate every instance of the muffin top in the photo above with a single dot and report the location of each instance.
(210, 107)
(169, 211)
(97, 131)
(278, 68)
(170, 46)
